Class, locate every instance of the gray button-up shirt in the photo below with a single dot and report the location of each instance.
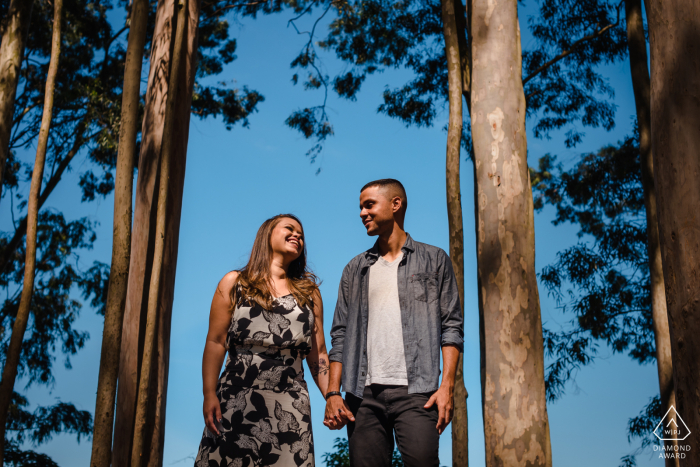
(431, 316)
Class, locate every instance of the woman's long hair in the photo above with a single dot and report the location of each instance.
(253, 282)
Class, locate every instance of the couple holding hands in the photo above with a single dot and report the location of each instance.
(398, 310)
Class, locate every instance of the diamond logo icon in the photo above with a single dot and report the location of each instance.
(672, 427)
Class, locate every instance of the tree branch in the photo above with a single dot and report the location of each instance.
(13, 244)
(565, 53)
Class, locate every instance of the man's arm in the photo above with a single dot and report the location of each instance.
(452, 343)
(450, 306)
(337, 411)
(340, 317)
(444, 396)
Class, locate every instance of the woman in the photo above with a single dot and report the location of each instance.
(269, 316)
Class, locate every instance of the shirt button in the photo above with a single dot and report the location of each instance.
(363, 373)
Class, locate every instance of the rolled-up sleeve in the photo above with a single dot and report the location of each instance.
(339, 320)
(450, 307)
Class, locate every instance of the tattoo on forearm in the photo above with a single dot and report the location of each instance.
(319, 368)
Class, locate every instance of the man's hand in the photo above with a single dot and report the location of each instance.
(444, 398)
(338, 414)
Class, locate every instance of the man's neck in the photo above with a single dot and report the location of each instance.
(390, 243)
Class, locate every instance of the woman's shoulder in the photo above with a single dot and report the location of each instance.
(227, 282)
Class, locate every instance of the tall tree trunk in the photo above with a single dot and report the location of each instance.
(641, 85)
(121, 240)
(674, 27)
(143, 238)
(516, 424)
(14, 37)
(450, 12)
(137, 457)
(9, 373)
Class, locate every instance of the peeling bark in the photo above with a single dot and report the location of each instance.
(143, 240)
(14, 38)
(9, 373)
(516, 424)
(641, 85)
(451, 10)
(674, 33)
(121, 240)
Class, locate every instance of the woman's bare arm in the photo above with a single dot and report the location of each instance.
(215, 348)
(318, 358)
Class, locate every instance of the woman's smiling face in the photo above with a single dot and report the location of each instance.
(287, 238)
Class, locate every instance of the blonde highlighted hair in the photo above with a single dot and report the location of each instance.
(253, 281)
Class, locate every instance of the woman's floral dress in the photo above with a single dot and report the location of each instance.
(265, 409)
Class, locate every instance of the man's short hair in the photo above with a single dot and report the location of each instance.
(393, 185)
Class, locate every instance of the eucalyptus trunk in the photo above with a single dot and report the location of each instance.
(121, 240)
(674, 32)
(516, 425)
(9, 373)
(641, 85)
(139, 444)
(143, 238)
(451, 34)
(14, 36)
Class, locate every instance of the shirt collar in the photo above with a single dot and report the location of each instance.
(372, 254)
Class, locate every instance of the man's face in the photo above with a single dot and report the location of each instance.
(376, 210)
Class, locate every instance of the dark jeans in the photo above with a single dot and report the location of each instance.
(387, 410)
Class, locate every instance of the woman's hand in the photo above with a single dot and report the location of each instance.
(212, 412)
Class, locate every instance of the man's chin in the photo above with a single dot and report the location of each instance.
(372, 231)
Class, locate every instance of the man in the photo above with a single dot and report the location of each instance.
(398, 306)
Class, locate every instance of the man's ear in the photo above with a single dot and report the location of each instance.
(396, 203)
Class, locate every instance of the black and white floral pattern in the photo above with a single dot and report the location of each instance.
(264, 399)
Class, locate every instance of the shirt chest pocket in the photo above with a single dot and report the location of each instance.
(424, 286)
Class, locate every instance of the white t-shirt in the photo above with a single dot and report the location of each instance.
(386, 361)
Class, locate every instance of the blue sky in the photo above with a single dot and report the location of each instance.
(236, 179)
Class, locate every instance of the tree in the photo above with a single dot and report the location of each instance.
(341, 456)
(121, 243)
(9, 373)
(603, 280)
(641, 84)
(14, 32)
(39, 427)
(675, 118)
(516, 424)
(603, 40)
(451, 10)
(144, 235)
(84, 133)
(166, 156)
